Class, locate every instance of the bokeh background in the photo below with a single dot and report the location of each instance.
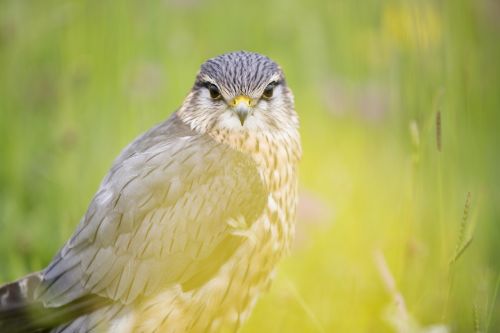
(399, 220)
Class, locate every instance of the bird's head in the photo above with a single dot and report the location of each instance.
(238, 92)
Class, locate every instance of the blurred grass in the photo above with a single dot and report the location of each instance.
(80, 79)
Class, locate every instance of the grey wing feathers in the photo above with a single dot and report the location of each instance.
(160, 217)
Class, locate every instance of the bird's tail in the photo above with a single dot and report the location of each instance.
(18, 306)
(22, 312)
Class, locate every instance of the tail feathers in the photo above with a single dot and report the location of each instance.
(17, 293)
(16, 301)
(20, 312)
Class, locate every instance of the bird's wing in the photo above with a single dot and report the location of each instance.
(165, 214)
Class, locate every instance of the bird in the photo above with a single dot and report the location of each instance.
(188, 226)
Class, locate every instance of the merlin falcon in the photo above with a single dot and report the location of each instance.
(187, 227)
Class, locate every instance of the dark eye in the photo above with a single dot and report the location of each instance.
(214, 91)
(268, 92)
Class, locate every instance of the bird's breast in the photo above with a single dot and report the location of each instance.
(225, 301)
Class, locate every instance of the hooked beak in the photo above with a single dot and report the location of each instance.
(242, 106)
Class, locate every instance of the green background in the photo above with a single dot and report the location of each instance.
(400, 110)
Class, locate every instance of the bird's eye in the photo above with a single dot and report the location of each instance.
(268, 92)
(214, 91)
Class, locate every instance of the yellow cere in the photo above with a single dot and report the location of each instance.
(242, 99)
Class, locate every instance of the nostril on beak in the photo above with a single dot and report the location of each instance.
(241, 106)
(245, 100)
